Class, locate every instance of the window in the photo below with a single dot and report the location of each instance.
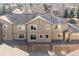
(33, 27)
(59, 35)
(72, 21)
(33, 37)
(5, 26)
(47, 26)
(41, 36)
(59, 26)
(4, 36)
(46, 36)
(55, 26)
(21, 27)
(21, 36)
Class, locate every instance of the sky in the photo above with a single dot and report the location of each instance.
(39, 1)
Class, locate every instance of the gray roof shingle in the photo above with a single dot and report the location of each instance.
(20, 18)
(24, 18)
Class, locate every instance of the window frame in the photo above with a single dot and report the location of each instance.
(57, 27)
(60, 35)
(20, 27)
(5, 26)
(41, 35)
(5, 35)
(47, 26)
(33, 25)
(21, 38)
(33, 37)
(46, 36)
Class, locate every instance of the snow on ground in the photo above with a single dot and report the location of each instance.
(6, 50)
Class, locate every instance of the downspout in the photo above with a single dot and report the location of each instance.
(26, 33)
(26, 43)
(69, 37)
(12, 32)
(50, 38)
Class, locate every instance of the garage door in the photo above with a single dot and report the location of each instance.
(61, 48)
(74, 36)
(40, 48)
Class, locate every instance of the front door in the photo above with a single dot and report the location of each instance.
(67, 36)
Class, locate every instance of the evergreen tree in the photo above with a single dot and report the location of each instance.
(3, 12)
(71, 14)
(78, 13)
(7, 8)
(65, 14)
(46, 8)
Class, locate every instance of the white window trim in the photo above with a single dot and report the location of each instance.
(22, 38)
(54, 27)
(4, 37)
(21, 27)
(34, 25)
(57, 27)
(60, 34)
(47, 25)
(38, 18)
(6, 27)
(35, 39)
(42, 35)
(45, 36)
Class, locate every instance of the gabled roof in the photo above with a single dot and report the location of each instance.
(58, 20)
(5, 19)
(38, 17)
(19, 18)
(25, 18)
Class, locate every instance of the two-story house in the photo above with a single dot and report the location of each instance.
(39, 30)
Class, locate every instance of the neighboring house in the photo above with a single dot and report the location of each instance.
(73, 29)
(72, 33)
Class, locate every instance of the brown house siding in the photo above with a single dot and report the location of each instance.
(74, 36)
(41, 30)
(16, 32)
(8, 31)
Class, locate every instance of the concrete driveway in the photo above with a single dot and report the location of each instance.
(6, 50)
(39, 54)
